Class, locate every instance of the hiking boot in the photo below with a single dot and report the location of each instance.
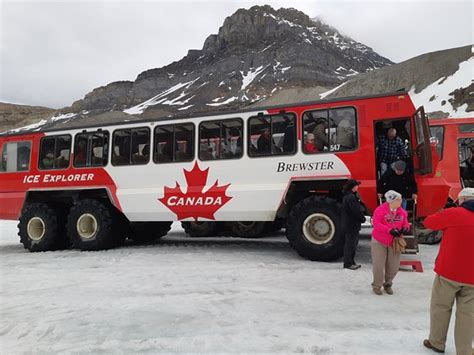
(388, 289)
(427, 344)
(377, 291)
(352, 267)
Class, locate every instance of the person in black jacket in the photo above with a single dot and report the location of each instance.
(352, 218)
(397, 178)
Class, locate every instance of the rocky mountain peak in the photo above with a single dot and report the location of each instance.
(257, 25)
(255, 53)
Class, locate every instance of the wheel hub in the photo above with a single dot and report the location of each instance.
(35, 228)
(87, 226)
(318, 228)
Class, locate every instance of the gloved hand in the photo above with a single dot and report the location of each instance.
(404, 231)
(395, 232)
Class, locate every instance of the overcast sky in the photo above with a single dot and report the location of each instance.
(53, 53)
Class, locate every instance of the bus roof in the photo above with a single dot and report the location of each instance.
(211, 113)
(450, 121)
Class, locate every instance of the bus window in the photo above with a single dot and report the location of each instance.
(466, 128)
(342, 128)
(15, 157)
(272, 135)
(121, 147)
(131, 146)
(140, 146)
(184, 142)
(174, 143)
(330, 130)
(315, 128)
(54, 152)
(220, 139)
(437, 137)
(91, 149)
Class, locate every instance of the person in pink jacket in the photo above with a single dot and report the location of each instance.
(389, 221)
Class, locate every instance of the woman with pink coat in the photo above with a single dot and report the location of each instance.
(389, 221)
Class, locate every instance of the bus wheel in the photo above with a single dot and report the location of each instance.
(200, 229)
(145, 232)
(248, 229)
(314, 229)
(39, 228)
(89, 226)
(432, 237)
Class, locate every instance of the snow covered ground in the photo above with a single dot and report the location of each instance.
(220, 295)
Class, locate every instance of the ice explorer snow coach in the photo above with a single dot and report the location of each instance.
(454, 140)
(243, 172)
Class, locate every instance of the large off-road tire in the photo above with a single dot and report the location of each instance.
(90, 226)
(200, 228)
(432, 237)
(248, 229)
(145, 232)
(314, 229)
(40, 228)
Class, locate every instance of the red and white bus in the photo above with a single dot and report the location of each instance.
(454, 139)
(243, 173)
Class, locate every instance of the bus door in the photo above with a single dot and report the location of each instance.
(422, 149)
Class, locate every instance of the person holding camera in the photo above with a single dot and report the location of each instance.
(390, 223)
(454, 280)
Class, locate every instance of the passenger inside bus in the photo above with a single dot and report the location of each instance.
(63, 151)
(80, 152)
(390, 148)
(309, 146)
(345, 133)
(98, 149)
(264, 142)
(320, 136)
(48, 160)
(466, 159)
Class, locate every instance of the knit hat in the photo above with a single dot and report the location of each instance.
(399, 165)
(391, 196)
(349, 185)
(467, 192)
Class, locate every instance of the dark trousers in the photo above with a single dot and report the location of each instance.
(351, 240)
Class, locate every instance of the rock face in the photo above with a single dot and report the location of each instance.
(441, 81)
(256, 53)
(12, 115)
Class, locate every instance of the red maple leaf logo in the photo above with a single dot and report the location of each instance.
(195, 202)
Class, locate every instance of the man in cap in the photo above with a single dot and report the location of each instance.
(352, 218)
(454, 280)
(398, 179)
(390, 149)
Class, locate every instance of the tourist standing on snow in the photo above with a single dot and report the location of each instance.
(352, 218)
(390, 223)
(454, 280)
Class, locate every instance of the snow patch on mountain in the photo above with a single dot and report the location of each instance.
(436, 96)
(250, 76)
(64, 116)
(31, 127)
(324, 94)
(162, 98)
(228, 101)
